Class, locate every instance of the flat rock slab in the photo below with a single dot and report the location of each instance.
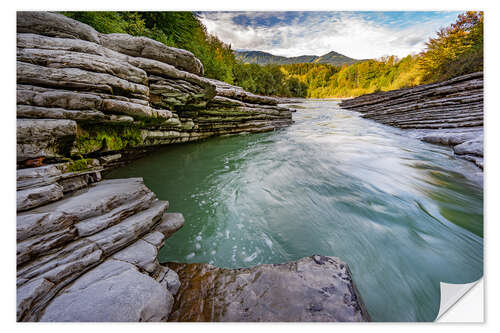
(115, 291)
(316, 288)
(55, 25)
(34, 197)
(92, 255)
(449, 137)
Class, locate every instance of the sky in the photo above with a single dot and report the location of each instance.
(359, 35)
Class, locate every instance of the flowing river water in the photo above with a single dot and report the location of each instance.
(399, 211)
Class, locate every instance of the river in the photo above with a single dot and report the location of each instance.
(399, 211)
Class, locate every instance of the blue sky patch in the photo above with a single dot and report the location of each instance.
(359, 35)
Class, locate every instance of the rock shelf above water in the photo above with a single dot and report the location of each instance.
(448, 112)
(316, 288)
(91, 254)
(87, 248)
(83, 93)
(87, 251)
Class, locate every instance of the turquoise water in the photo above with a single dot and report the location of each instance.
(397, 210)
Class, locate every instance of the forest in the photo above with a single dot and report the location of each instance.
(456, 50)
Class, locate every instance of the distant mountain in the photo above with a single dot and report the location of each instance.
(264, 58)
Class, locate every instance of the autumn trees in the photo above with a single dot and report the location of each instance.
(457, 49)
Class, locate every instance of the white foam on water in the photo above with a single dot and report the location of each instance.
(191, 255)
(269, 242)
(251, 257)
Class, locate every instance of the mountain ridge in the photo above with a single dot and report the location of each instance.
(265, 58)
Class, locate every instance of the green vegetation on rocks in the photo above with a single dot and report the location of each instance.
(79, 165)
(106, 137)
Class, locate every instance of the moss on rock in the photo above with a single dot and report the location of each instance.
(79, 165)
(106, 137)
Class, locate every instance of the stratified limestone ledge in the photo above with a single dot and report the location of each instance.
(87, 252)
(87, 249)
(316, 288)
(83, 93)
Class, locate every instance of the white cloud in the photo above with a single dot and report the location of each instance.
(347, 33)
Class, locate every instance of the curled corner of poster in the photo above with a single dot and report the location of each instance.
(461, 303)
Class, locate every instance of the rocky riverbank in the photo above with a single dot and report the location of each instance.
(87, 248)
(81, 93)
(448, 113)
(90, 255)
(87, 251)
(316, 288)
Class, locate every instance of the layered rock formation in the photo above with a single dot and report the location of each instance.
(448, 112)
(81, 93)
(316, 288)
(87, 248)
(87, 251)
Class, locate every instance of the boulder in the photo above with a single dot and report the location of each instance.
(41, 41)
(147, 48)
(54, 25)
(127, 108)
(316, 288)
(44, 138)
(471, 147)
(115, 291)
(34, 197)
